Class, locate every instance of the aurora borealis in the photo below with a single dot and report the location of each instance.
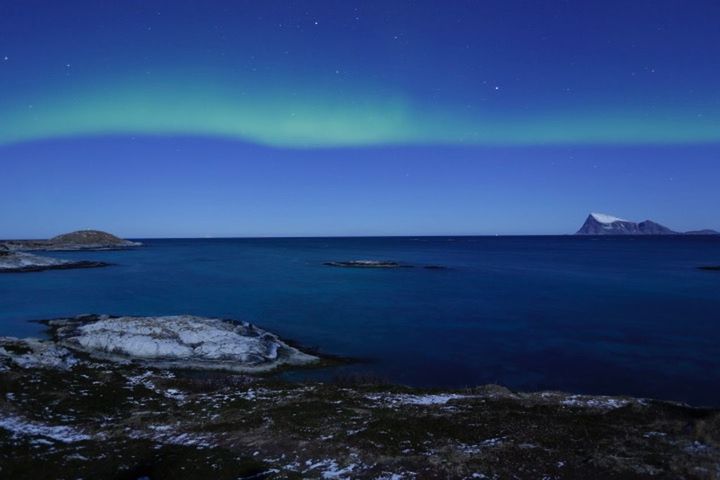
(312, 74)
(401, 76)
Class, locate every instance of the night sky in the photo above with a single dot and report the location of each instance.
(235, 118)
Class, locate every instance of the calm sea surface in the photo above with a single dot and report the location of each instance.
(592, 315)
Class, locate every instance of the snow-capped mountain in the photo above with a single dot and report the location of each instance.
(603, 224)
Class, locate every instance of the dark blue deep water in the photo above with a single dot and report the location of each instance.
(593, 315)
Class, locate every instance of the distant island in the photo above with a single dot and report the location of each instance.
(15, 259)
(78, 240)
(603, 224)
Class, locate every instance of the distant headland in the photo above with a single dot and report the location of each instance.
(603, 224)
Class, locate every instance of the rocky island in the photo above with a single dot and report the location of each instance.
(84, 404)
(603, 224)
(15, 259)
(79, 240)
(365, 264)
(378, 264)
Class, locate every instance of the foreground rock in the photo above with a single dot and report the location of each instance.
(181, 341)
(79, 240)
(19, 262)
(91, 418)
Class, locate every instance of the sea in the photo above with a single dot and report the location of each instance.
(596, 315)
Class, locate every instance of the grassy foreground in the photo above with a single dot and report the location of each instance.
(101, 420)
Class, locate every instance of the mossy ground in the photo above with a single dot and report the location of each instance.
(159, 424)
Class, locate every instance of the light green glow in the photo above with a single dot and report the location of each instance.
(313, 118)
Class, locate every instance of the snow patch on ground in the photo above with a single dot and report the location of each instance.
(408, 399)
(33, 353)
(20, 427)
(145, 380)
(605, 403)
(329, 469)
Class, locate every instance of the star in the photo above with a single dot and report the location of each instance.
(497, 87)
(6, 58)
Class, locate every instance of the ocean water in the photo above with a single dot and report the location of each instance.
(607, 315)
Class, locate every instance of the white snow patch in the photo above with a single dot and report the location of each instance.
(173, 437)
(477, 448)
(329, 469)
(606, 403)
(408, 399)
(607, 219)
(39, 354)
(60, 433)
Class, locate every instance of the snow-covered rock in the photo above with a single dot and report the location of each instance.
(19, 260)
(33, 353)
(182, 340)
(15, 261)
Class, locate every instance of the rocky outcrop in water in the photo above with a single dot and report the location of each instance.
(366, 264)
(22, 262)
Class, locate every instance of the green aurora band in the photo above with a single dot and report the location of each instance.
(314, 118)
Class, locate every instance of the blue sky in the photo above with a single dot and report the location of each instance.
(189, 118)
(156, 186)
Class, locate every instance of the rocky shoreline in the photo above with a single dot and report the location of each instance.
(15, 259)
(65, 413)
(21, 262)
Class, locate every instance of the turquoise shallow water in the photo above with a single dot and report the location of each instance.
(594, 315)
